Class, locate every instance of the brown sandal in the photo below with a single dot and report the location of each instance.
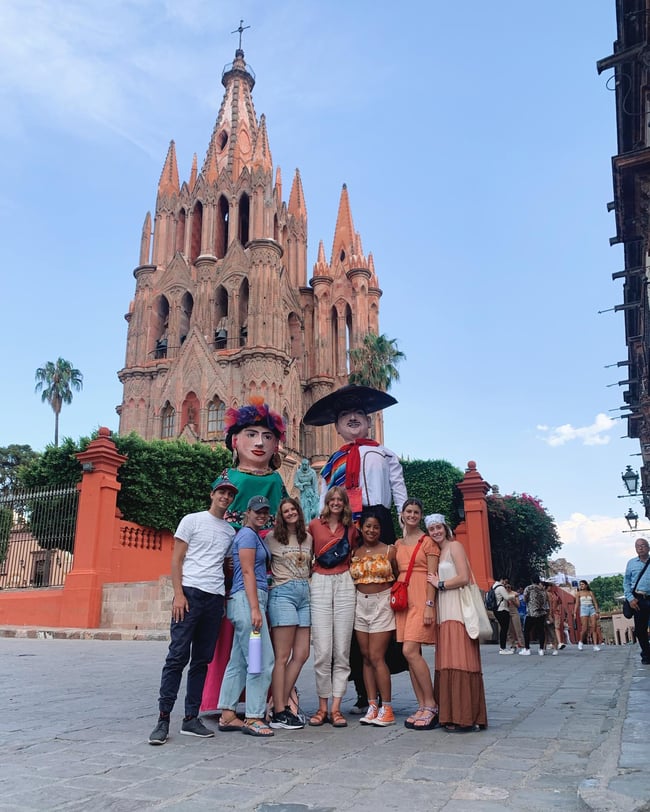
(338, 720)
(319, 718)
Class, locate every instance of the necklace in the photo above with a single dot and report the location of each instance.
(254, 472)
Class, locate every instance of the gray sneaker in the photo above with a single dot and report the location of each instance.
(195, 727)
(160, 732)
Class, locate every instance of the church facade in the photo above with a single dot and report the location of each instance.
(223, 307)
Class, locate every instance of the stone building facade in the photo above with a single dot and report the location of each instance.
(223, 307)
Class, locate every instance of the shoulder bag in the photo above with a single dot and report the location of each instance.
(628, 612)
(475, 616)
(335, 552)
(399, 591)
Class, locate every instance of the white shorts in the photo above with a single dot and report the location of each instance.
(373, 613)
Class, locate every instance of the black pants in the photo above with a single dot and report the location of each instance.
(641, 619)
(195, 636)
(535, 627)
(503, 619)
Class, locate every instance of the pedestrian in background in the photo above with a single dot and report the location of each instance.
(536, 610)
(636, 585)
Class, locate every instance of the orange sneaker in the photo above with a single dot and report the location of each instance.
(371, 715)
(384, 717)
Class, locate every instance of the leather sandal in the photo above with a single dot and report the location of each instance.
(319, 718)
(338, 720)
(231, 724)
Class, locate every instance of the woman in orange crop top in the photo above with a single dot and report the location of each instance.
(373, 569)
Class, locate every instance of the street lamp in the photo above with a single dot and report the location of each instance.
(630, 480)
(632, 519)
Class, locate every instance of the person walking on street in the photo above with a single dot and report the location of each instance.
(502, 614)
(201, 543)
(636, 585)
(587, 613)
(536, 609)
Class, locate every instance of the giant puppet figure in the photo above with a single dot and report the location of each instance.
(372, 476)
(253, 434)
(371, 473)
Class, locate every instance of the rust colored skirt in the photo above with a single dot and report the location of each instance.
(458, 683)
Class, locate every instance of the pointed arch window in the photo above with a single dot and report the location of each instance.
(187, 305)
(244, 219)
(160, 327)
(168, 420)
(216, 415)
(190, 410)
(221, 318)
(180, 232)
(243, 313)
(221, 233)
(197, 228)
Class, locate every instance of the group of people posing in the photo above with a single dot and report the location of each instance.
(300, 586)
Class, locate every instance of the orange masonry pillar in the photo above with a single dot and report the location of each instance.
(474, 489)
(96, 526)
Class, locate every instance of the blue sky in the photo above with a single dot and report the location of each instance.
(475, 140)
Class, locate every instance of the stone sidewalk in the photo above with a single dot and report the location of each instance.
(567, 733)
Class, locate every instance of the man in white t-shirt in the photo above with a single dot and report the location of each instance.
(201, 543)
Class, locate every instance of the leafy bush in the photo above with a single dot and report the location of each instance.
(522, 536)
(161, 480)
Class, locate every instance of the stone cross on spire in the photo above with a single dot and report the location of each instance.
(240, 31)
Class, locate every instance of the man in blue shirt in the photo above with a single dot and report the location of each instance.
(638, 594)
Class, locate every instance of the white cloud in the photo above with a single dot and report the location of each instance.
(595, 434)
(595, 544)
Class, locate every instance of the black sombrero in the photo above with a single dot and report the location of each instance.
(327, 409)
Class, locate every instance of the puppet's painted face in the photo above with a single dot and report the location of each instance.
(255, 446)
(353, 424)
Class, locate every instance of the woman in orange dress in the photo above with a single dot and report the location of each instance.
(416, 625)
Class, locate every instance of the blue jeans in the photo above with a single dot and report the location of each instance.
(195, 636)
(236, 677)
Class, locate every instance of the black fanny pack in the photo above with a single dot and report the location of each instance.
(335, 553)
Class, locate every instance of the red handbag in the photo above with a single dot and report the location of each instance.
(399, 591)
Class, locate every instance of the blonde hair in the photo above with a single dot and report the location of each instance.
(346, 516)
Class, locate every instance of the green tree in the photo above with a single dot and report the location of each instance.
(161, 480)
(55, 382)
(522, 536)
(434, 483)
(607, 588)
(375, 362)
(11, 458)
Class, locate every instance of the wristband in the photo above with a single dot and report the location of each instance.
(441, 585)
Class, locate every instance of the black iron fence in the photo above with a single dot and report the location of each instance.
(37, 530)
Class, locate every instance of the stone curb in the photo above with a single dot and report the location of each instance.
(58, 633)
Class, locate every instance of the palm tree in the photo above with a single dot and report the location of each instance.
(374, 363)
(54, 381)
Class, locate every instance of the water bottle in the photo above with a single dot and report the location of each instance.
(255, 653)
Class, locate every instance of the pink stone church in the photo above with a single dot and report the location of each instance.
(223, 306)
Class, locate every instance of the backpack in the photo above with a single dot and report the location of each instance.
(490, 600)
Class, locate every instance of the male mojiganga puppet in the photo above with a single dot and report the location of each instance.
(253, 434)
(371, 473)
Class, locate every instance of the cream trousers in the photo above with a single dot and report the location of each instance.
(332, 618)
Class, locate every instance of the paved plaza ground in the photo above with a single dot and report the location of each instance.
(565, 733)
